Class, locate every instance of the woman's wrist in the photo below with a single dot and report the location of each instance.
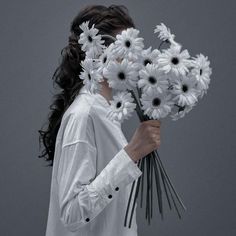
(133, 154)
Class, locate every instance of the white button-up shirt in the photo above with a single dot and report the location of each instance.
(92, 173)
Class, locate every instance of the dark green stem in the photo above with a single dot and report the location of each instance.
(158, 187)
(169, 180)
(142, 179)
(135, 197)
(173, 199)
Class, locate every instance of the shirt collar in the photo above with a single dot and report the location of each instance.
(84, 89)
(103, 100)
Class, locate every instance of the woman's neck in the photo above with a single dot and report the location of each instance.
(106, 91)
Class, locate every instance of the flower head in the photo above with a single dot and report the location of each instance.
(173, 60)
(128, 44)
(164, 33)
(121, 106)
(152, 78)
(201, 71)
(121, 75)
(156, 105)
(105, 57)
(148, 56)
(182, 111)
(90, 75)
(185, 91)
(91, 41)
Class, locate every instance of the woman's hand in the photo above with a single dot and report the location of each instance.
(145, 139)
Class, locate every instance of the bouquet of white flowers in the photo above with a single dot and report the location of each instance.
(153, 82)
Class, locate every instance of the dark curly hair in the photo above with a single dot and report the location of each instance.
(108, 20)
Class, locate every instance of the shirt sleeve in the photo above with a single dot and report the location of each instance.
(82, 193)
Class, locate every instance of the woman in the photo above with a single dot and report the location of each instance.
(93, 164)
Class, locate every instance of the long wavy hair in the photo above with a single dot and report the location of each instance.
(109, 21)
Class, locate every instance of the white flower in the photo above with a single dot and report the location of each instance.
(156, 105)
(151, 78)
(91, 41)
(182, 111)
(121, 75)
(148, 56)
(90, 75)
(173, 60)
(201, 71)
(128, 44)
(121, 106)
(185, 91)
(105, 57)
(164, 33)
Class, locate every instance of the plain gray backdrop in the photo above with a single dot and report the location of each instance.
(198, 151)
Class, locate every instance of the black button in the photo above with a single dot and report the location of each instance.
(110, 196)
(117, 188)
(87, 219)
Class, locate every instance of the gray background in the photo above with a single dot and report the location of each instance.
(198, 151)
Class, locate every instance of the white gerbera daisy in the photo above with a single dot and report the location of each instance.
(201, 71)
(121, 106)
(121, 75)
(185, 91)
(156, 105)
(105, 57)
(151, 78)
(182, 111)
(173, 60)
(90, 75)
(128, 44)
(148, 56)
(164, 33)
(91, 41)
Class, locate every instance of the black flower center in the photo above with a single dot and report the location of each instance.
(89, 76)
(146, 61)
(121, 75)
(127, 43)
(181, 108)
(200, 71)
(184, 88)
(152, 80)
(104, 59)
(118, 104)
(90, 39)
(156, 102)
(175, 60)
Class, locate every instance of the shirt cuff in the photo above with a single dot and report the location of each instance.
(117, 174)
(133, 164)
